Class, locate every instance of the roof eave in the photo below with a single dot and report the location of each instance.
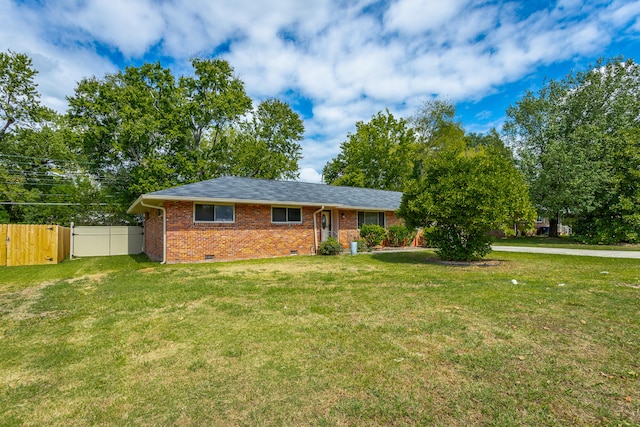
(137, 206)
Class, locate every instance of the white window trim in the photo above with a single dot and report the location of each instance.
(286, 222)
(214, 222)
(378, 212)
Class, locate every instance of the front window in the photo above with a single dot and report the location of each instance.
(371, 218)
(286, 215)
(213, 213)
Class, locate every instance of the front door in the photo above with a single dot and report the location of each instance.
(325, 226)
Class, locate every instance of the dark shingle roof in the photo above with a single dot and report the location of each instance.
(235, 189)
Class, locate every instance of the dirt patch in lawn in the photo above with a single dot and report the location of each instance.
(18, 305)
(96, 278)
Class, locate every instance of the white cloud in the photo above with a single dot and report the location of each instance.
(59, 67)
(621, 13)
(310, 175)
(417, 16)
(349, 63)
(131, 26)
(59, 72)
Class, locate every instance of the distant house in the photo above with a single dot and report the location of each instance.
(233, 218)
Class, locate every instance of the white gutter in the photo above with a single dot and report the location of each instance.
(164, 229)
(315, 227)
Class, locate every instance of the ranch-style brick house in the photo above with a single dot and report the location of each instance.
(232, 218)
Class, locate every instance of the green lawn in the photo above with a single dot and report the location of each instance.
(375, 339)
(560, 242)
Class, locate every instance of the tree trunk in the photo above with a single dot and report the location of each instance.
(553, 226)
(10, 121)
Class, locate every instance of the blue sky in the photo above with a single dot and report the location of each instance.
(335, 61)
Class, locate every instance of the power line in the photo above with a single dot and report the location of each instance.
(39, 177)
(48, 184)
(71, 195)
(46, 158)
(52, 179)
(54, 204)
(40, 167)
(61, 178)
(45, 172)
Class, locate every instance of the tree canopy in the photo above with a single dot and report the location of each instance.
(387, 152)
(19, 99)
(380, 155)
(267, 144)
(573, 139)
(135, 131)
(214, 98)
(145, 130)
(457, 186)
(462, 194)
(41, 177)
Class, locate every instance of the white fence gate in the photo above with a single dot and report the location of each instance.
(106, 240)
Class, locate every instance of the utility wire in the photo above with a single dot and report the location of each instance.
(70, 195)
(54, 204)
(48, 159)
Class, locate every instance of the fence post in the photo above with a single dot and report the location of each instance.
(71, 243)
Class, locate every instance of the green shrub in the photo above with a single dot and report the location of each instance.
(331, 246)
(609, 231)
(362, 245)
(454, 244)
(373, 234)
(423, 237)
(400, 235)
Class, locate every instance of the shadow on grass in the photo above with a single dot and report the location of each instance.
(135, 258)
(141, 258)
(413, 257)
(428, 257)
(537, 241)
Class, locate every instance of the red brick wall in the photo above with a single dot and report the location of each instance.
(348, 229)
(153, 234)
(252, 235)
(349, 225)
(392, 219)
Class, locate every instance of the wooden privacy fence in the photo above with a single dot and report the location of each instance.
(24, 244)
(106, 240)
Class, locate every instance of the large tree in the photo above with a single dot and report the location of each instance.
(436, 129)
(130, 129)
(267, 145)
(19, 99)
(435, 125)
(43, 180)
(145, 130)
(568, 138)
(380, 154)
(40, 177)
(214, 99)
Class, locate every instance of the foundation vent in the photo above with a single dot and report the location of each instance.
(209, 257)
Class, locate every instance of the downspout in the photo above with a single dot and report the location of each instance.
(315, 227)
(164, 229)
(71, 240)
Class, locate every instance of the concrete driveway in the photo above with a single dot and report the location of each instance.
(561, 251)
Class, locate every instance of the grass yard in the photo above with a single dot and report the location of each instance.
(375, 339)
